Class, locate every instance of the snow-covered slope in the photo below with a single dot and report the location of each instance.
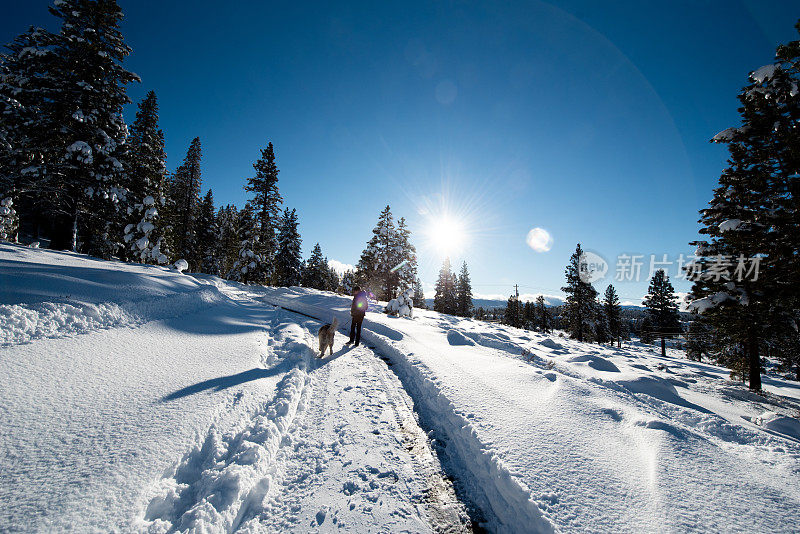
(592, 438)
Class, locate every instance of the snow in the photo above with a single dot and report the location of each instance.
(210, 418)
(403, 305)
(706, 303)
(730, 225)
(137, 398)
(83, 150)
(764, 73)
(549, 431)
(725, 135)
(181, 265)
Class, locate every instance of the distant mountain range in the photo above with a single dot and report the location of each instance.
(498, 303)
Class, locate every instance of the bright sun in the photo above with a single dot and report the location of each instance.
(446, 235)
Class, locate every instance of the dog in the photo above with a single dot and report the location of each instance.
(326, 334)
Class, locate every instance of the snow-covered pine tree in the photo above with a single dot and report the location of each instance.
(229, 240)
(288, 259)
(333, 280)
(207, 232)
(444, 299)
(755, 214)
(315, 274)
(266, 203)
(382, 255)
(246, 269)
(579, 307)
(8, 220)
(145, 233)
(611, 310)
(28, 132)
(419, 295)
(184, 209)
(464, 293)
(75, 143)
(662, 307)
(406, 268)
(348, 282)
(543, 320)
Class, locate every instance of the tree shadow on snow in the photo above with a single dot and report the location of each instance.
(225, 382)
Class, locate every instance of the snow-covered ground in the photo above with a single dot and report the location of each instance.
(575, 436)
(137, 398)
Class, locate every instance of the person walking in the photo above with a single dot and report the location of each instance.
(358, 309)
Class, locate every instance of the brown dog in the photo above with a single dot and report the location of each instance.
(326, 334)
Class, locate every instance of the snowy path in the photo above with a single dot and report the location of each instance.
(337, 448)
(357, 460)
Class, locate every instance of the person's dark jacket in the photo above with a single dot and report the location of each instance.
(360, 304)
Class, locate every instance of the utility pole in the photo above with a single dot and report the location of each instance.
(516, 291)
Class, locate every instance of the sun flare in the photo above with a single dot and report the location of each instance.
(446, 235)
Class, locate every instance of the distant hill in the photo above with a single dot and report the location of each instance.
(498, 303)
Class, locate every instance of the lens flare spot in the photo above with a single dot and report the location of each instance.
(539, 240)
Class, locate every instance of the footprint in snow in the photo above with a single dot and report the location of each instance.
(321, 516)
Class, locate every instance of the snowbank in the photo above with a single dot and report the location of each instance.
(48, 294)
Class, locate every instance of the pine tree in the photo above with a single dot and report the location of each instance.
(246, 268)
(579, 306)
(333, 281)
(71, 151)
(529, 314)
(316, 272)
(543, 320)
(266, 204)
(377, 267)
(662, 308)
(406, 256)
(348, 282)
(185, 205)
(288, 259)
(754, 217)
(464, 293)
(27, 127)
(419, 295)
(514, 314)
(698, 342)
(229, 239)
(602, 330)
(646, 330)
(145, 233)
(208, 234)
(444, 300)
(611, 310)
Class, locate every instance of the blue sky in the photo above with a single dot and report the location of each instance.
(588, 119)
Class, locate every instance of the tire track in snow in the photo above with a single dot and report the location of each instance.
(447, 512)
